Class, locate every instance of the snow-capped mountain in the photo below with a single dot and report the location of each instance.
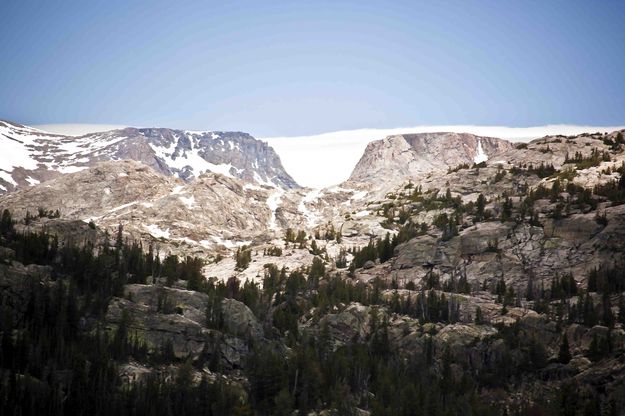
(398, 157)
(31, 156)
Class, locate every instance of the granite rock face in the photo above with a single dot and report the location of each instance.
(396, 158)
(163, 315)
(40, 156)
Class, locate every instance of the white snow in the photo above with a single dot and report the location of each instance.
(71, 169)
(311, 217)
(252, 187)
(226, 243)
(177, 189)
(223, 168)
(336, 189)
(119, 208)
(186, 240)
(190, 158)
(359, 195)
(261, 181)
(480, 156)
(7, 177)
(155, 231)
(273, 202)
(189, 202)
(361, 214)
(15, 152)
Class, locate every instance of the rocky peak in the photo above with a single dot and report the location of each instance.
(36, 156)
(395, 158)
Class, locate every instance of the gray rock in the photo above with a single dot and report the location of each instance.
(368, 265)
(7, 254)
(154, 147)
(239, 320)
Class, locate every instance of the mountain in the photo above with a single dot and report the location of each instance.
(32, 156)
(212, 211)
(477, 289)
(302, 155)
(397, 157)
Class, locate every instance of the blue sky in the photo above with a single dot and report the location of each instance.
(305, 67)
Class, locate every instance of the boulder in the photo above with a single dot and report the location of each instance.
(7, 255)
(239, 320)
(417, 252)
(155, 329)
(350, 324)
(368, 265)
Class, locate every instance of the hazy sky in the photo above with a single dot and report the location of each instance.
(304, 67)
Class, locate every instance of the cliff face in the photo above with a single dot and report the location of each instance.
(397, 157)
(34, 156)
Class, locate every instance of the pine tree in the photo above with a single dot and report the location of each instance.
(479, 318)
(6, 225)
(607, 316)
(564, 355)
(621, 310)
(479, 207)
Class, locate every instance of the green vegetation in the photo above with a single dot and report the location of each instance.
(584, 162)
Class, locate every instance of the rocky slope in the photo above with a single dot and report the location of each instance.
(499, 287)
(212, 211)
(396, 158)
(32, 156)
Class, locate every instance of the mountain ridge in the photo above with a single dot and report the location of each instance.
(34, 156)
(406, 155)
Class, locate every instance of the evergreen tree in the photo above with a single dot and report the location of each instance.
(479, 318)
(479, 207)
(564, 354)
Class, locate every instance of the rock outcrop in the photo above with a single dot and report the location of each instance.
(36, 156)
(396, 158)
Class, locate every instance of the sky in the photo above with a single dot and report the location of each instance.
(298, 68)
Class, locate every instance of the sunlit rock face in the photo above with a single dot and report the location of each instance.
(31, 156)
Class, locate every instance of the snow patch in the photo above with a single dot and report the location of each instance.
(190, 158)
(119, 208)
(155, 231)
(252, 187)
(71, 169)
(261, 181)
(177, 189)
(226, 243)
(189, 202)
(359, 195)
(480, 156)
(273, 202)
(311, 217)
(7, 177)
